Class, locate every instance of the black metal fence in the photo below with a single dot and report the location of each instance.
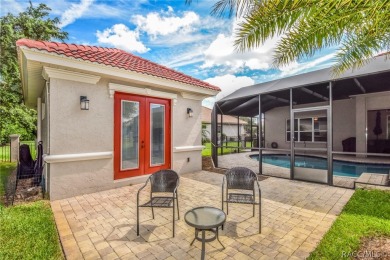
(5, 152)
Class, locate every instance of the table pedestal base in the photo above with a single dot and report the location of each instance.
(203, 239)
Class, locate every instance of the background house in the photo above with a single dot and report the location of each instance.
(133, 125)
(231, 127)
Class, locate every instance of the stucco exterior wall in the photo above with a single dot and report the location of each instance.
(343, 124)
(74, 131)
(186, 132)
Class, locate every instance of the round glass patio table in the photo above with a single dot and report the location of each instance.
(205, 219)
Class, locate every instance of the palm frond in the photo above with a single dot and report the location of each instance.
(271, 18)
(238, 7)
(357, 50)
(361, 27)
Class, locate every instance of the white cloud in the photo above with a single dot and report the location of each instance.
(221, 52)
(120, 36)
(295, 67)
(228, 84)
(74, 12)
(10, 6)
(185, 56)
(165, 23)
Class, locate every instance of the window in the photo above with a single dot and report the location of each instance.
(310, 129)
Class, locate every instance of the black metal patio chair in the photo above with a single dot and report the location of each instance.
(241, 179)
(163, 181)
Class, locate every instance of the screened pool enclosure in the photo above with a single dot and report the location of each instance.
(312, 115)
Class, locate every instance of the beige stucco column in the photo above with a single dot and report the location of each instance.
(14, 147)
(361, 124)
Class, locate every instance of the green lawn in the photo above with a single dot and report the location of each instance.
(5, 171)
(207, 150)
(28, 232)
(366, 214)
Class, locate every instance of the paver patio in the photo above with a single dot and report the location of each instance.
(103, 225)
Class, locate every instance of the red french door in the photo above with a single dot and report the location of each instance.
(142, 138)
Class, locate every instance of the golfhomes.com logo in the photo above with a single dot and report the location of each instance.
(365, 254)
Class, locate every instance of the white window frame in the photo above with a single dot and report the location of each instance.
(299, 131)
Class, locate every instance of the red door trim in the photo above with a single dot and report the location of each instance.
(144, 134)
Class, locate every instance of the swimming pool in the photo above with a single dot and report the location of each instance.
(340, 168)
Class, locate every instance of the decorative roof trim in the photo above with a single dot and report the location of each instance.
(112, 88)
(193, 96)
(115, 58)
(48, 72)
(55, 59)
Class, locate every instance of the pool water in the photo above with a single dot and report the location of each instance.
(340, 168)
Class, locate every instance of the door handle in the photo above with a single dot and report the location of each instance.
(142, 144)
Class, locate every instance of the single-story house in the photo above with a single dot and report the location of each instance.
(316, 113)
(108, 118)
(231, 127)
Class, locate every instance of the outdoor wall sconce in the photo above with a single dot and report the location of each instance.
(84, 103)
(190, 113)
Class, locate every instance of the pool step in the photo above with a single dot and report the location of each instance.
(373, 180)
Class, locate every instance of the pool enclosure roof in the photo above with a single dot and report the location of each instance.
(311, 87)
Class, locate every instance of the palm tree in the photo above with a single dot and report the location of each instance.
(360, 28)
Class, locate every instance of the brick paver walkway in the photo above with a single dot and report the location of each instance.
(103, 225)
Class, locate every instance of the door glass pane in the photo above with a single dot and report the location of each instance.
(130, 135)
(305, 136)
(157, 118)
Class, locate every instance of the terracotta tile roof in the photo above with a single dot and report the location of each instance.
(115, 58)
(206, 118)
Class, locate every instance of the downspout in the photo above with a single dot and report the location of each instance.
(39, 120)
(48, 115)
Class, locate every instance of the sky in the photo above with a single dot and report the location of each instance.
(180, 36)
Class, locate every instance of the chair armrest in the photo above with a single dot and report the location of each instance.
(177, 186)
(258, 187)
(139, 191)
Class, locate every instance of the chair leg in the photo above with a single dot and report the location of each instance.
(227, 208)
(137, 221)
(254, 209)
(177, 203)
(259, 216)
(151, 204)
(173, 219)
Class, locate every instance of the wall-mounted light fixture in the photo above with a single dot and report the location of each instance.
(190, 113)
(84, 103)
